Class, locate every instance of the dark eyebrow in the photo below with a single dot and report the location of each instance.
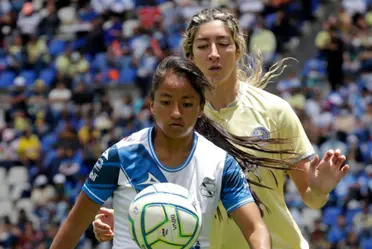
(169, 96)
(165, 95)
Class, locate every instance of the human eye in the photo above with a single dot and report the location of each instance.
(165, 102)
(203, 46)
(188, 105)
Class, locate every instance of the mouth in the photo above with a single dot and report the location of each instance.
(215, 68)
(176, 124)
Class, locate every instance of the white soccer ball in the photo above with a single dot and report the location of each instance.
(165, 216)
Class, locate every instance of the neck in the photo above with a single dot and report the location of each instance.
(224, 94)
(173, 146)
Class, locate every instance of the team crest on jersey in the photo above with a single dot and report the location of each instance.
(260, 132)
(208, 187)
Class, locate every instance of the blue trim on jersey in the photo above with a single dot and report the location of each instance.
(235, 191)
(139, 166)
(103, 178)
(175, 169)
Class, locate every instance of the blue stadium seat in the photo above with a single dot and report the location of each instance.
(48, 75)
(351, 213)
(6, 79)
(29, 76)
(366, 244)
(330, 215)
(56, 47)
(99, 62)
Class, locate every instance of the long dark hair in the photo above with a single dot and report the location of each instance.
(236, 146)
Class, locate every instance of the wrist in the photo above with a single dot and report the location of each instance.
(318, 192)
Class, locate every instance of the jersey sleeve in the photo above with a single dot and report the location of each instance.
(103, 178)
(292, 129)
(235, 190)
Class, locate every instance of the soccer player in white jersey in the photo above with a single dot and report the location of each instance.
(173, 151)
(215, 43)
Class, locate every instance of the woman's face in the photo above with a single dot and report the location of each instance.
(215, 52)
(176, 106)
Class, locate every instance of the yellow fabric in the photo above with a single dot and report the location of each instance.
(255, 112)
(29, 147)
(322, 39)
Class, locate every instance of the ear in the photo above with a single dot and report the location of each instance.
(152, 107)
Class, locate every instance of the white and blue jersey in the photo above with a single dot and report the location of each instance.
(131, 165)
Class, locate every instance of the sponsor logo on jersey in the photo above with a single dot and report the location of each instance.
(208, 187)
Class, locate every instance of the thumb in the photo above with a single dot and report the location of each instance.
(314, 163)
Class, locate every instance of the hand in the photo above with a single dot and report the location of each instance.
(103, 225)
(325, 175)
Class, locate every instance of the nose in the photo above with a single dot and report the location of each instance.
(214, 55)
(176, 113)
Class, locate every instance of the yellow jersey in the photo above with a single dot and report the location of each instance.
(257, 112)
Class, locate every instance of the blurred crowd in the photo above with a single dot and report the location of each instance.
(59, 58)
(333, 98)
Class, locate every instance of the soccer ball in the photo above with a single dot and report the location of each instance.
(164, 216)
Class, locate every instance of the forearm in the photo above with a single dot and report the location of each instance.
(314, 200)
(259, 238)
(68, 235)
(81, 215)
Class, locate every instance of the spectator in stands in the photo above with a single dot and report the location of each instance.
(42, 192)
(338, 232)
(29, 148)
(37, 53)
(362, 222)
(17, 96)
(28, 21)
(318, 236)
(59, 97)
(263, 41)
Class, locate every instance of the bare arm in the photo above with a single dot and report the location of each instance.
(76, 223)
(249, 220)
(316, 179)
(300, 179)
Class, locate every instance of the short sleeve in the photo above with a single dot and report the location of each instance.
(103, 178)
(235, 190)
(292, 129)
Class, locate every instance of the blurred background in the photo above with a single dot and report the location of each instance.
(74, 77)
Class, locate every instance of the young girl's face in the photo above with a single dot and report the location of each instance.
(176, 106)
(214, 52)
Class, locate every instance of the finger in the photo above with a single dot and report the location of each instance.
(98, 224)
(102, 231)
(328, 155)
(103, 238)
(336, 156)
(339, 162)
(314, 163)
(105, 211)
(344, 170)
(99, 216)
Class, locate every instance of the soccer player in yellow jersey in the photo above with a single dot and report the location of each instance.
(215, 43)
